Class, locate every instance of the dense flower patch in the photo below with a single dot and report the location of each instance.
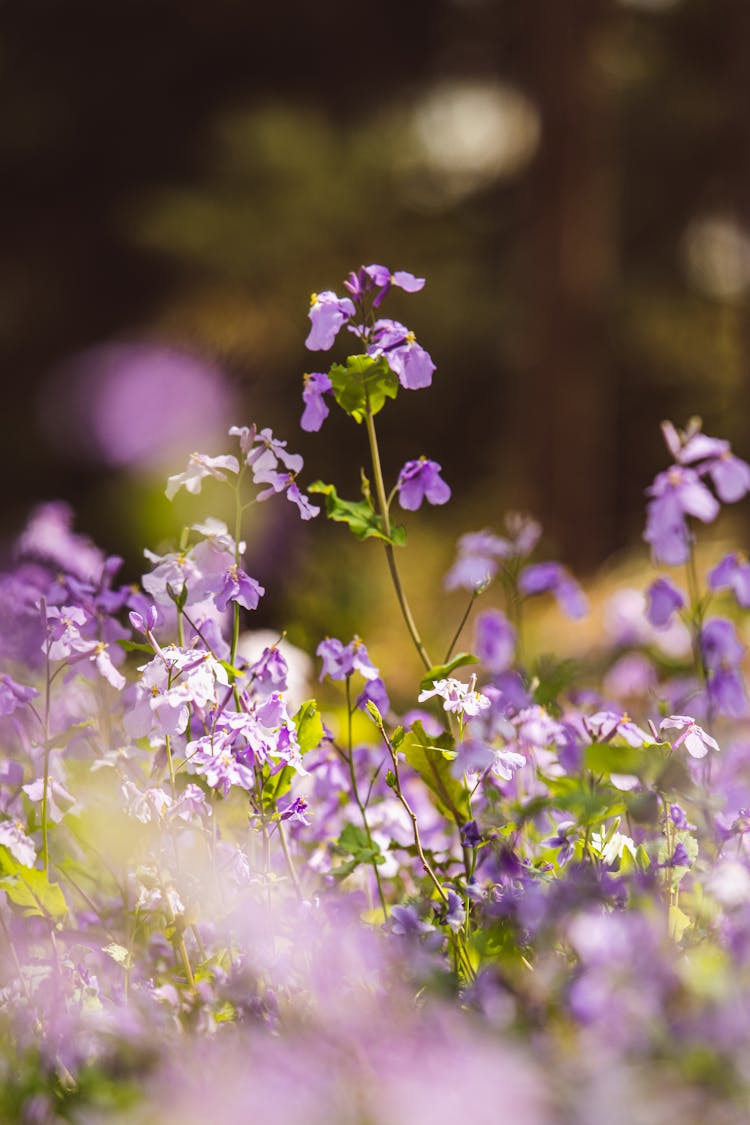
(525, 898)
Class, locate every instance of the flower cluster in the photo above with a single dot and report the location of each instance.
(504, 879)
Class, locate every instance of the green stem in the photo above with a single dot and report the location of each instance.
(461, 624)
(389, 552)
(355, 793)
(289, 862)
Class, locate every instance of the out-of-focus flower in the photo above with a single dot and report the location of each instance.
(494, 640)
(732, 573)
(316, 386)
(340, 661)
(676, 493)
(551, 577)
(664, 599)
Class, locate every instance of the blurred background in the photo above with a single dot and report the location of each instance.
(572, 178)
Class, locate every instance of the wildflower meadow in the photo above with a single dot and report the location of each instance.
(237, 884)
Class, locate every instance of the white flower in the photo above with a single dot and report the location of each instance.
(697, 742)
(200, 465)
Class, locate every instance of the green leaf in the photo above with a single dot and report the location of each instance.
(363, 522)
(678, 922)
(135, 646)
(361, 380)
(309, 726)
(588, 806)
(653, 763)
(276, 785)
(440, 671)
(30, 890)
(431, 758)
(353, 842)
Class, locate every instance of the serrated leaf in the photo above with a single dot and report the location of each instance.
(29, 890)
(360, 380)
(431, 758)
(119, 954)
(362, 521)
(441, 671)
(678, 922)
(309, 726)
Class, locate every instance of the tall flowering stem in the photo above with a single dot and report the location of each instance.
(394, 781)
(355, 793)
(389, 552)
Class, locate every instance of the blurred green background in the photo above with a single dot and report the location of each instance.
(573, 179)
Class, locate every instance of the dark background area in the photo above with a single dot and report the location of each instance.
(572, 178)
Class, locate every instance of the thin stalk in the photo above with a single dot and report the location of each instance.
(289, 861)
(459, 941)
(377, 472)
(47, 748)
(355, 792)
(461, 624)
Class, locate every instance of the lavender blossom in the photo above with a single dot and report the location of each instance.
(675, 494)
(316, 386)
(495, 641)
(664, 599)
(404, 355)
(328, 313)
(420, 480)
(551, 577)
(732, 573)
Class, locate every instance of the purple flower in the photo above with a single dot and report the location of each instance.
(369, 278)
(405, 356)
(420, 480)
(307, 510)
(477, 562)
(551, 577)
(663, 599)
(471, 837)
(720, 645)
(404, 920)
(295, 812)
(340, 661)
(676, 493)
(266, 453)
(730, 476)
(327, 315)
(144, 622)
(316, 385)
(374, 692)
(270, 671)
(14, 695)
(733, 573)
(495, 641)
(238, 587)
(679, 819)
(726, 691)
